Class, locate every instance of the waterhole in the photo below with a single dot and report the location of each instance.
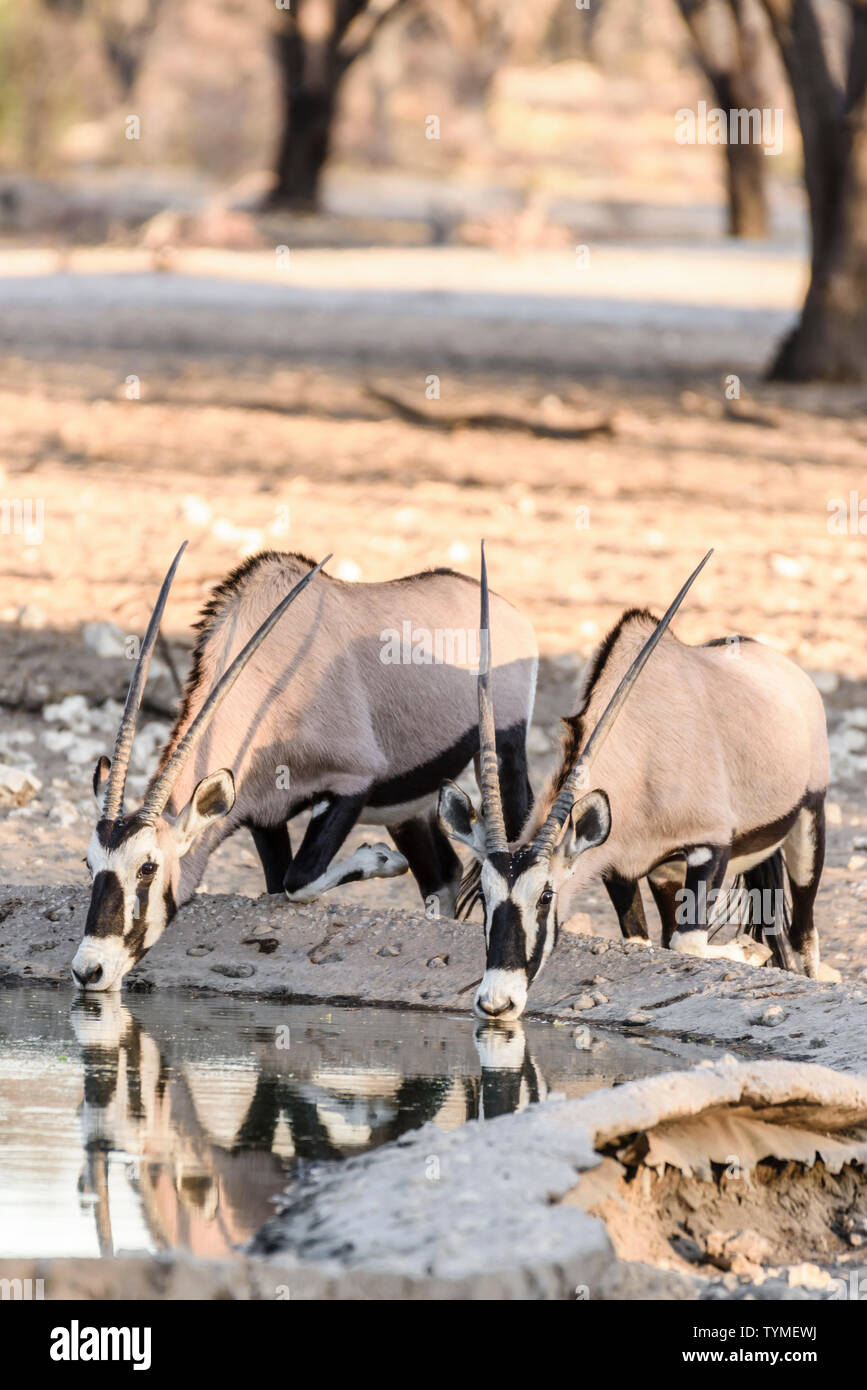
(162, 1122)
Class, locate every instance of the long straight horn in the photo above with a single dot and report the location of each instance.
(114, 792)
(550, 831)
(489, 774)
(161, 789)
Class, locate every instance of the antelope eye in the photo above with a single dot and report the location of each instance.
(547, 896)
(148, 869)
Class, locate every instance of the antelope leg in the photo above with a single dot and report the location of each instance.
(368, 861)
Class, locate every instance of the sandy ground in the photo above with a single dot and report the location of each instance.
(255, 420)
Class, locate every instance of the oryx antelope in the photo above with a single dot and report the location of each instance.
(331, 714)
(719, 766)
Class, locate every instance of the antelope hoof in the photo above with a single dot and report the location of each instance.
(301, 896)
(751, 952)
(387, 863)
(744, 951)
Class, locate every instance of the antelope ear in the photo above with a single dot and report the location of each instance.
(100, 777)
(589, 824)
(213, 798)
(457, 819)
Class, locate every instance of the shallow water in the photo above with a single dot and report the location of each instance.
(158, 1122)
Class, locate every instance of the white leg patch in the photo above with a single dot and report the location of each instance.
(368, 861)
(698, 856)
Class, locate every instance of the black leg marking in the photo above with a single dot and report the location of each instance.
(625, 894)
(432, 861)
(274, 849)
(701, 879)
(665, 896)
(322, 839)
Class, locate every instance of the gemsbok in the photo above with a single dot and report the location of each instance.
(356, 709)
(719, 766)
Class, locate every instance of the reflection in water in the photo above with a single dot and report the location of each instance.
(195, 1113)
(510, 1080)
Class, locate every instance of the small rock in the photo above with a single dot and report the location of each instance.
(584, 1001)
(856, 861)
(598, 997)
(745, 1249)
(438, 961)
(18, 785)
(199, 950)
(388, 951)
(770, 1016)
(826, 681)
(808, 1276)
(638, 1018)
(31, 617)
(63, 813)
(106, 639)
(234, 972)
(688, 1249)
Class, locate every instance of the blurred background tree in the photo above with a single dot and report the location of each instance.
(731, 45)
(568, 110)
(315, 44)
(824, 50)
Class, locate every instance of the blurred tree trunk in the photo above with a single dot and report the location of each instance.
(830, 340)
(126, 35)
(729, 58)
(315, 44)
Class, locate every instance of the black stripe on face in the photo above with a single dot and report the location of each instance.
(105, 914)
(506, 938)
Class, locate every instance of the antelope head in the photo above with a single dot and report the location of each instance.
(134, 857)
(520, 886)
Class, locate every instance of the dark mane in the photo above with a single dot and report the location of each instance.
(215, 603)
(573, 736)
(436, 569)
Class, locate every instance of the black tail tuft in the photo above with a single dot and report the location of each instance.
(766, 918)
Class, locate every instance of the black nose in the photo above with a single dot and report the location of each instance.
(495, 1013)
(90, 977)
